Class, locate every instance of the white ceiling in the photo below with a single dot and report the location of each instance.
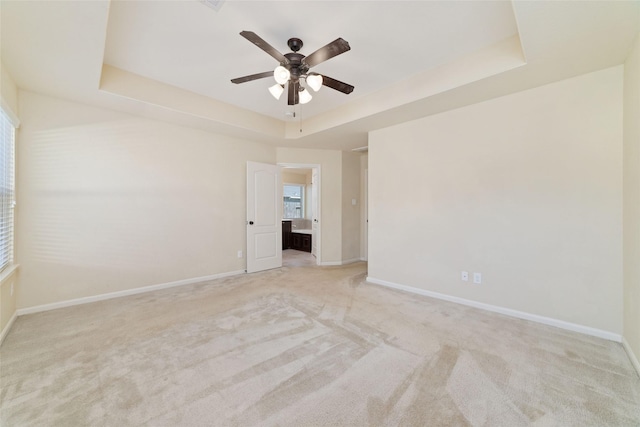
(191, 46)
(173, 60)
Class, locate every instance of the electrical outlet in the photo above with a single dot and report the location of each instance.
(240, 254)
(465, 276)
(477, 278)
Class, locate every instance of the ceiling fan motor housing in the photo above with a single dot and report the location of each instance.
(295, 66)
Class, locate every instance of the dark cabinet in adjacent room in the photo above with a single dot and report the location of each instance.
(293, 240)
(305, 244)
(286, 235)
(300, 242)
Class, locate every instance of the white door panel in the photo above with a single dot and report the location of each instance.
(264, 213)
(265, 245)
(314, 212)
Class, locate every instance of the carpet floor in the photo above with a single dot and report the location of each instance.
(305, 346)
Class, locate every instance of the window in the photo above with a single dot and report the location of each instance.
(293, 201)
(7, 190)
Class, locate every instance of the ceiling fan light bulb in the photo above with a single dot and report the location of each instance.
(314, 81)
(305, 96)
(281, 74)
(276, 90)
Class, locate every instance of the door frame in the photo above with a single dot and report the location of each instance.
(364, 250)
(319, 169)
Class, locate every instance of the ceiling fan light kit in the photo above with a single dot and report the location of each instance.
(281, 74)
(305, 96)
(276, 90)
(295, 66)
(314, 81)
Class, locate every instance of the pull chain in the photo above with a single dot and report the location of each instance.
(300, 117)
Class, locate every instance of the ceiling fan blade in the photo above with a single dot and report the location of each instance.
(334, 48)
(337, 85)
(258, 41)
(294, 92)
(252, 77)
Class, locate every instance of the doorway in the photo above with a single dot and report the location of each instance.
(304, 214)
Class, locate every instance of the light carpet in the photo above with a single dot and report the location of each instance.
(305, 346)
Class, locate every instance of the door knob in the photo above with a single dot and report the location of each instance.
(250, 222)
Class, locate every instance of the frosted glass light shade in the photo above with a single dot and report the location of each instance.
(305, 96)
(276, 90)
(281, 74)
(314, 81)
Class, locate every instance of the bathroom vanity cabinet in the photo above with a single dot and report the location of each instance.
(292, 239)
(300, 241)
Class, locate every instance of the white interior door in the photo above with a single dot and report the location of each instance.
(314, 212)
(264, 217)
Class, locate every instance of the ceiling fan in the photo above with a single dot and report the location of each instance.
(295, 66)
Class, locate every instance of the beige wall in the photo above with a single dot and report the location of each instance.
(526, 189)
(9, 90)
(293, 178)
(632, 199)
(111, 202)
(350, 212)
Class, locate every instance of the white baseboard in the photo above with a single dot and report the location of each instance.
(631, 354)
(502, 310)
(345, 262)
(118, 294)
(7, 328)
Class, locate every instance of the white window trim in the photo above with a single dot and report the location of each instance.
(13, 118)
(9, 269)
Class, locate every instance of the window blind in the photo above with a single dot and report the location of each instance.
(7, 191)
